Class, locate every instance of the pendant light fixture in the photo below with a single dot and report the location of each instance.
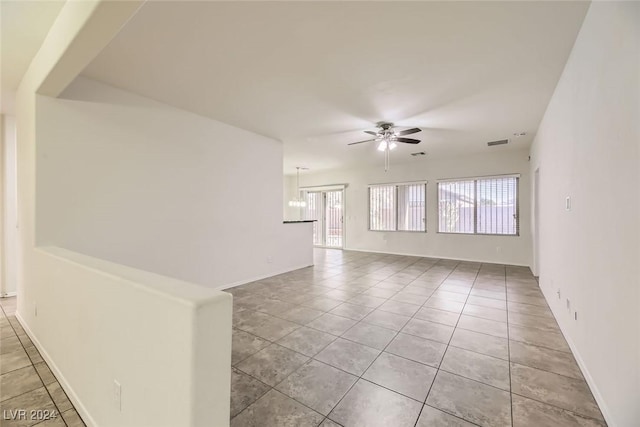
(297, 201)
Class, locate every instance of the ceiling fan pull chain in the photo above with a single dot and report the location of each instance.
(386, 158)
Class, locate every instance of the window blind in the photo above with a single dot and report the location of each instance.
(382, 207)
(412, 213)
(479, 206)
(398, 207)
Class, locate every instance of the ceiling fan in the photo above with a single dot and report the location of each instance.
(388, 138)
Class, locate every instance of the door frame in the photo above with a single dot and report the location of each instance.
(536, 222)
(323, 190)
(324, 214)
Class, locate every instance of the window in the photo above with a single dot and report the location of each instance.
(479, 206)
(412, 213)
(382, 208)
(398, 207)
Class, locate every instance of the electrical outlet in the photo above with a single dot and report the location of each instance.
(567, 203)
(117, 395)
(558, 293)
(568, 304)
(575, 315)
(269, 260)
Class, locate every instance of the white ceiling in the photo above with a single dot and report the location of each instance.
(315, 74)
(23, 27)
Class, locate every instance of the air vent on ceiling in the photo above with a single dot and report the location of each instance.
(501, 142)
(419, 153)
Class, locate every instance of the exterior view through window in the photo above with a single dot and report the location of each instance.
(398, 207)
(479, 206)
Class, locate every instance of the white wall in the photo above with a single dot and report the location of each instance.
(157, 188)
(9, 213)
(3, 202)
(166, 342)
(96, 321)
(498, 249)
(587, 148)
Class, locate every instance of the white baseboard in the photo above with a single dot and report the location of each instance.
(253, 279)
(73, 397)
(606, 413)
(435, 256)
(592, 385)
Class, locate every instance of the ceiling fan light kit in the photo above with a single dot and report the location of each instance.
(386, 145)
(387, 139)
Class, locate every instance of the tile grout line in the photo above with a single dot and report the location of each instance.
(376, 358)
(420, 306)
(399, 356)
(447, 348)
(392, 339)
(310, 358)
(274, 387)
(508, 346)
(59, 413)
(397, 332)
(560, 408)
(402, 285)
(313, 358)
(448, 344)
(544, 370)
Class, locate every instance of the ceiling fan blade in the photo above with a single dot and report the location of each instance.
(360, 142)
(409, 131)
(408, 140)
(370, 132)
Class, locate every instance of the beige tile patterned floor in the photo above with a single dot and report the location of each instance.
(369, 340)
(383, 340)
(26, 382)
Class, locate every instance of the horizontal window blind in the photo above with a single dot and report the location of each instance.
(479, 206)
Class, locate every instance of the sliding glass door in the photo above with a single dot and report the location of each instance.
(327, 209)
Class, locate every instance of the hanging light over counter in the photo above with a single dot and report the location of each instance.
(297, 201)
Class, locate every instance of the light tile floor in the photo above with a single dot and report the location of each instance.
(382, 340)
(369, 340)
(26, 382)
